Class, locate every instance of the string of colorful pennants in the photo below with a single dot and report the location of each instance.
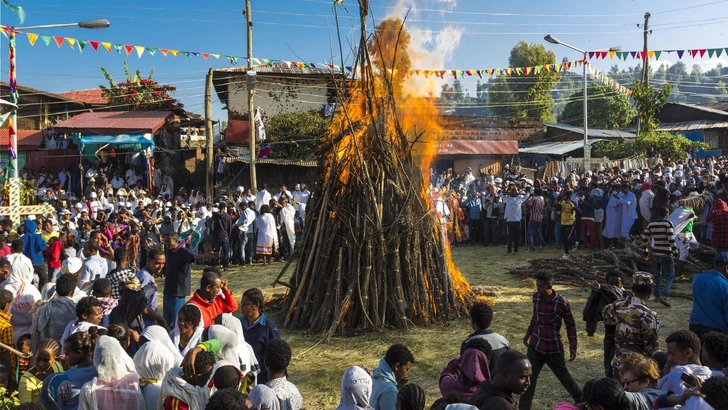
(606, 80)
(655, 54)
(442, 74)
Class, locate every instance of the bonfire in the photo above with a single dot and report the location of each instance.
(374, 256)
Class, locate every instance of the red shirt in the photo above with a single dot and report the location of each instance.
(53, 255)
(224, 303)
(5, 251)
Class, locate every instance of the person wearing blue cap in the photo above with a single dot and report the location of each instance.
(710, 299)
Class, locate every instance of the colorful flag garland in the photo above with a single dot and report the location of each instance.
(128, 49)
(655, 54)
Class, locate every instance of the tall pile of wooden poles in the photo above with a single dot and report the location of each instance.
(373, 256)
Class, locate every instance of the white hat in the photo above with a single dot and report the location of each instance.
(668, 169)
(214, 209)
(678, 174)
(240, 188)
(202, 211)
(298, 187)
(498, 180)
(73, 265)
(588, 172)
(168, 204)
(93, 195)
(65, 212)
(31, 217)
(79, 206)
(678, 166)
(554, 179)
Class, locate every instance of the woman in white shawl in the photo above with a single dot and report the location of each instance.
(160, 336)
(356, 389)
(152, 361)
(267, 239)
(287, 214)
(188, 331)
(117, 385)
(264, 398)
(248, 362)
(19, 282)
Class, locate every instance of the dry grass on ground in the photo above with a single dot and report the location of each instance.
(317, 368)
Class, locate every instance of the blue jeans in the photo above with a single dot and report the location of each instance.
(245, 247)
(223, 245)
(170, 307)
(663, 267)
(557, 232)
(534, 229)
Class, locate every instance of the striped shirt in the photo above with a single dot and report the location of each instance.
(660, 237)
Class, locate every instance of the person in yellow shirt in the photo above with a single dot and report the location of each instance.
(47, 233)
(568, 218)
(45, 365)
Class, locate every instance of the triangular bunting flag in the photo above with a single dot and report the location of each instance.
(94, 45)
(546, 68)
(46, 40)
(693, 53)
(216, 56)
(139, 50)
(469, 73)
(651, 54)
(58, 40)
(205, 56)
(417, 72)
(702, 52)
(128, 48)
(553, 67)
(175, 52)
(591, 54)
(489, 71)
(657, 54)
(151, 50)
(107, 46)
(187, 53)
(643, 55)
(32, 38)
(528, 70)
(479, 73)
(711, 51)
(537, 69)
(603, 55)
(71, 41)
(426, 72)
(718, 52)
(233, 60)
(680, 54)
(633, 54)
(82, 45)
(163, 51)
(118, 47)
(195, 54)
(442, 74)
(611, 56)
(519, 71)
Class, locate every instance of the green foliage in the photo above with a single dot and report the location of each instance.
(649, 101)
(137, 93)
(8, 403)
(670, 147)
(298, 132)
(525, 96)
(606, 107)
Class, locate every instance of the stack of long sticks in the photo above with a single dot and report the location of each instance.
(373, 256)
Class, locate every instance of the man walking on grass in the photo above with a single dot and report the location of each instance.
(544, 341)
(659, 239)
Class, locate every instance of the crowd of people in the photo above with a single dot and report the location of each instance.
(81, 327)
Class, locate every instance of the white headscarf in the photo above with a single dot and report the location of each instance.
(356, 389)
(152, 361)
(25, 295)
(264, 398)
(174, 385)
(248, 362)
(157, 334)
(116, 382)
(196, 337)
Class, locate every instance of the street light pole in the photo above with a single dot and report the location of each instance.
(587, 148)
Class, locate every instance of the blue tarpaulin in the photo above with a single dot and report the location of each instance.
(122, 141)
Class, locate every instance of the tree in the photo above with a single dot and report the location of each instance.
(661, 73)
(670, 147)
(526, 96)
(297, 132)
(677, 72)
(695, 74)
(649, 101)
(138, 94)
(606, 107)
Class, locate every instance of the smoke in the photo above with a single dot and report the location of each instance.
(431, 47)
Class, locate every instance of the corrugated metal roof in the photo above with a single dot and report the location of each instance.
(692, 125)
(30, 139)
(280, 69)
(592, 132)
(91, 96)
(115, 122)
(705, 108)
(555, 148)
(275, 161)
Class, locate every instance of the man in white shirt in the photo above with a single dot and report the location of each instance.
(117, 182)
(245, 225)
(94, 267)
(301, 196)
(262, 198)
(283, 192)
(91, 173)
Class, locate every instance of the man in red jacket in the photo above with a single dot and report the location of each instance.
(213, 297)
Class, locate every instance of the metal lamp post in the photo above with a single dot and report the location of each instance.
(587, 151)
(13, 122)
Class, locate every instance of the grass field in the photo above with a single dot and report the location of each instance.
(316, 368)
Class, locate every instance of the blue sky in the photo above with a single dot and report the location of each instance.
(451, 34)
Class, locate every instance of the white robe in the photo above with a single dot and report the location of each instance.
(267, 239)
(646, 204)
(262, 198)
(613, 220)
(629, 212)
(287, 214)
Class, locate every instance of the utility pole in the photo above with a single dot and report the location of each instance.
(645, 63)
(209, 155)
(250, 77)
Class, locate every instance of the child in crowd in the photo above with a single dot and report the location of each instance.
(481, 316)
(7, 359)
(23, 345)
(102, 292)
(277, 359)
